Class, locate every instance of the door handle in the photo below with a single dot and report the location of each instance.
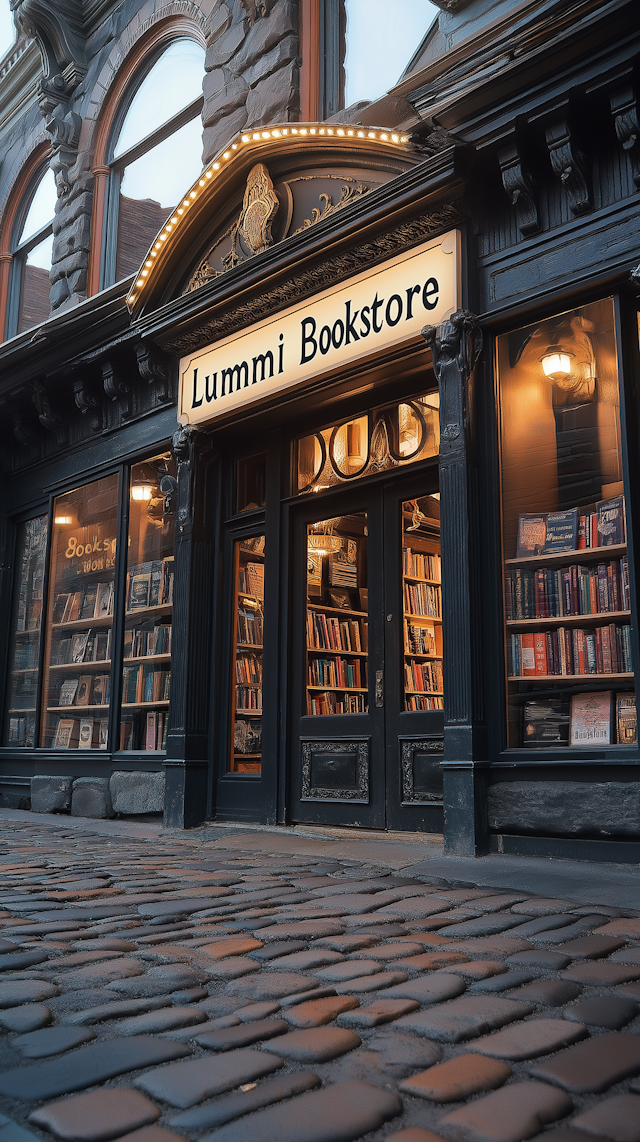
(379, 688)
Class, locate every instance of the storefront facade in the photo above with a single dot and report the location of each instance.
(327, 515)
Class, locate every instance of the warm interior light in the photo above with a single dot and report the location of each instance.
(141, 492)
(354, 449)
(556, 364)
(63, 519)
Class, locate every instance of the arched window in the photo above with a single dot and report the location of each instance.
(32, 248)
(155, 153)
(7, 28)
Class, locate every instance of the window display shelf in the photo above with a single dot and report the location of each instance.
(148, 658)
(423, 618)
(246, 713)
(80, 665)
(149, 612)
(342, 689)
(337, 610)
(578, 555)
(74, 711)
(427, 657)
(321, 650)
(143, 705)
(419, 579)
(429, 693)
(563, 678)
(569, 620)
(83, 624)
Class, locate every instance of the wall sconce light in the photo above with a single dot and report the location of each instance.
(141, 492)
(324, 540)
(63, 520)
(556, 363)
(354, 447)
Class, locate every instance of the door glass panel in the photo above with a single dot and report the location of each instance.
(80, 617)
(245, 754)
(337, 628)
(422, 604)
(146, 670)
(20, 725)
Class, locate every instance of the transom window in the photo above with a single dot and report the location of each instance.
(156, 156)
(377, 50)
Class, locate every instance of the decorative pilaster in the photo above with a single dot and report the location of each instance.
(455, 347)
(188, 736)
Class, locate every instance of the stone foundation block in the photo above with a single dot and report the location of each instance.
(561, 808)
(91, 797)
(137, 792)
(50, 794)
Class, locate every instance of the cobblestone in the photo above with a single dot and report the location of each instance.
(443, 1030)
(97, 1116)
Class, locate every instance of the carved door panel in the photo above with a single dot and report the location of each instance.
(366, 659)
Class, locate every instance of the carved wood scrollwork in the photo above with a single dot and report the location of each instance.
(49, 415)
(87, 401)
(347, 194)
(519, 185)
(569, 165)
(115, 387)
(154, 368)
(625, 111)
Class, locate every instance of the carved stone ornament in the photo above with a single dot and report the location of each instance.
(259, 208)
(255, 9)
(324, 750)
(455, 347)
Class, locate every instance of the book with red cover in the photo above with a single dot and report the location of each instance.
(540, 652)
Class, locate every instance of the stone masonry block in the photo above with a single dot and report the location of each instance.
(137, 792)
(265, 34)
(50, 794)
(284, 52)
(274, 99)
(610, 808)
(91, 797)
(222, 101)
(216, 135)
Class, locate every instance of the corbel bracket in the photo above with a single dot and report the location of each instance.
(625, 112)
(154, 367)
(115, 386)
(87, 401)
(520, 187)
(49, 415)
(569, 165)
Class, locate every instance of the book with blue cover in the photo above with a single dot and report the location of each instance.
(562, 532)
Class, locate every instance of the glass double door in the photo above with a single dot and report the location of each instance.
(367, 682)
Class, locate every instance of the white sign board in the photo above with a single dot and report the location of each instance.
(385, 306)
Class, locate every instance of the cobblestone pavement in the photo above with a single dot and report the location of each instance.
(159, 990)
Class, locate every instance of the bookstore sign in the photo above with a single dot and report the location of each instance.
(385, 306)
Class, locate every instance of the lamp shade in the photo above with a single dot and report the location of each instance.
(556, 363)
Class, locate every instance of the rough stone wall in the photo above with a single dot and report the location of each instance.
(566, 808)
(252, 69)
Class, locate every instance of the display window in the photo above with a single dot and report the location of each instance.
(146, 666)
(26, 624)
(60, 692)
(78, 645)
(567, 602)
(422, 604)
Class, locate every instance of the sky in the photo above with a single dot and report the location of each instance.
(7, 30)
(378, 50)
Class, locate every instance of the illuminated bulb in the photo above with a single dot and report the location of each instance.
(371, 135)
(148, 265)
(186, 202)
(329, 131)
(266, 134)
(303, 131)
(192, 195)
(350, 134)
(556, 364)
(256, 137)
(163, 237)
(322, 130)
(285, 132)
(144, 273)
(141, 492)
(385, 137)
(340, 131)
(361, 134)
(216, 166)
(157, 246)
(246, 139)
(140, 282)
(234, 146)
(276, 134)
(209, 174)
(63, 520)
(395, 138)
(312, 131)
(153, 254)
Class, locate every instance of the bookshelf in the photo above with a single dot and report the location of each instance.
(24, 634)
(337, 623)
(422, 605)
(245, 747)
